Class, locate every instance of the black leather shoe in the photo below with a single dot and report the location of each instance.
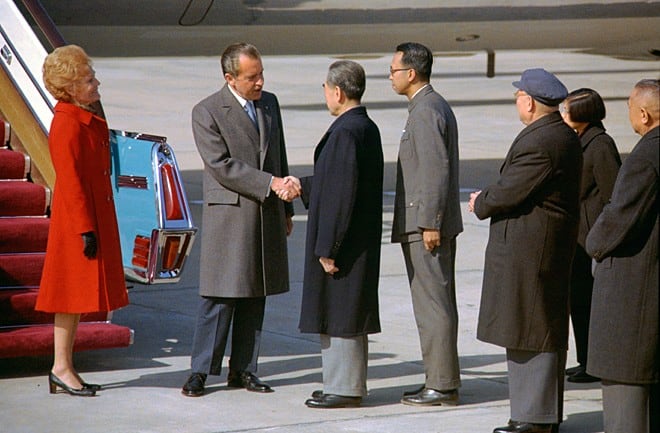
(54, 382)
(91, 386)
(582, 376)
(525, 427)
(571, 371)
(414, 391)
(318, 393)
(432, 397)
(333, 401)
(247, 380)
(194, 386)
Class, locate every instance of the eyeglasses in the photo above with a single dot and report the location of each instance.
(392, 71)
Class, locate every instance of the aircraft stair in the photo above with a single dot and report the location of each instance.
(26, 179)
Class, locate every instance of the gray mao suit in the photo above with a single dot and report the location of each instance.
(244, 250)
(427, 196)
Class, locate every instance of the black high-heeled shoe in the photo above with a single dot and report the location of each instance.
(54, 382)
(92, 386)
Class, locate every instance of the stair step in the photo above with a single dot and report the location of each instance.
(21, 270)
(14, 165)
(38, 340)
(21, 198)
(17, 309)
(23, 234)
(5, 132)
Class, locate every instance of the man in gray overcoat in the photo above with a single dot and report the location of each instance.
(623, 333)
(533, 211)
(238, 132)
(427, 220)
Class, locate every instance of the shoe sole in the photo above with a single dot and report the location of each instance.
(191, 394)
(436, 403)
(574, 380)
(338, 406)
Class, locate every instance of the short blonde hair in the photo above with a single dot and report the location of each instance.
(64, 66)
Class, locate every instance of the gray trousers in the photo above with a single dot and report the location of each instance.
(536, 385)
(344, 363)
(626, 407)
(433, 291)
(214, 319)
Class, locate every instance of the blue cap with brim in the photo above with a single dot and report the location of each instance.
(542, 86)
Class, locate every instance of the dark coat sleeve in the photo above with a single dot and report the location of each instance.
(335, 179)
(630, 213)
(527, 170)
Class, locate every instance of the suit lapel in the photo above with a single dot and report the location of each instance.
(236, 115)
(264, 119)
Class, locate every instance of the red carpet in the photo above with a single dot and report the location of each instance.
(23, 235)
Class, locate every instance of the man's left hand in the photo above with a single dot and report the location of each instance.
(431, 239)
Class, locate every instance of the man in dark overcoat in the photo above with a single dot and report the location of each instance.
(427, 219)
(342, 251)
(238, 132)
(534, 213)
(623, 333)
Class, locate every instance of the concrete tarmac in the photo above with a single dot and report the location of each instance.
(142, 382)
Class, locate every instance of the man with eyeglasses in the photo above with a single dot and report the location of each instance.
(427, 220)
(239, 136)
(533, 210)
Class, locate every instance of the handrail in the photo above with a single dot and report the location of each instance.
(45, 23)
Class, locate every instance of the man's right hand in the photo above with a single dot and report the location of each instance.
(287, 188)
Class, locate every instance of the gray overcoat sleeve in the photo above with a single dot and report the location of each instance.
(231, 161)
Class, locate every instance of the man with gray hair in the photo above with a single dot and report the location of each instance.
(239, 135)
(342, 252)
(623, 333)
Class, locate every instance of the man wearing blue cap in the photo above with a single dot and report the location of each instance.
(534, 212)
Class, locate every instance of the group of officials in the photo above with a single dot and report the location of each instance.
(534, 208)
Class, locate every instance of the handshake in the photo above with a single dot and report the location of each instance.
(287, 188)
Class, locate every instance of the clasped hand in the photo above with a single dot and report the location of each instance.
(287, 188)
(473, 198)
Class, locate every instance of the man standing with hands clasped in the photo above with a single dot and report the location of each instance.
(533, 210)
(427, 219)
(342, 252)
(239, 135)
(624, 242)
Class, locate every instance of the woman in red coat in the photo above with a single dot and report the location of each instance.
(83, 269)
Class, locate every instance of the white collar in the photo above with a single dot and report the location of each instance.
(241, 100)
(418, 90)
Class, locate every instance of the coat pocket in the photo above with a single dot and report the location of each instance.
(221, 196)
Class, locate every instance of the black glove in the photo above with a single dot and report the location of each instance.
(89, 239)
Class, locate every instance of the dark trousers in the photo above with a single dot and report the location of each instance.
(582, 283)
(216, 315)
